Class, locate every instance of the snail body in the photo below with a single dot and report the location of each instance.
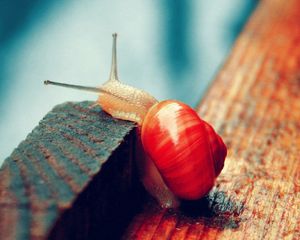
(183, 154)
(125, 102)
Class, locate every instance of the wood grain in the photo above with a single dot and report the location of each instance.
(254, 104)
(72, 178)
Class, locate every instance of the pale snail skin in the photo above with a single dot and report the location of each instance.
(120, 100)
(128, 103)
(116, 98)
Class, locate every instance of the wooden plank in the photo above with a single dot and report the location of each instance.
(254, 104)
(72, 178)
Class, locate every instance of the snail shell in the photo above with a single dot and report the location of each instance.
(185, 149)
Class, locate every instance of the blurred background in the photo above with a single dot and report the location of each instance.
(170, 48)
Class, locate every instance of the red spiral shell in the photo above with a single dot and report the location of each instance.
(185, 149)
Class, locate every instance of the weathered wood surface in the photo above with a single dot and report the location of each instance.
(255, 105)
(59, 182)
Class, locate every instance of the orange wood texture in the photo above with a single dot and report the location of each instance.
(254, 104)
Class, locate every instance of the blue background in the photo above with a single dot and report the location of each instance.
(170, 48)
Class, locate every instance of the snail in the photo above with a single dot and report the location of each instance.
(181, 154)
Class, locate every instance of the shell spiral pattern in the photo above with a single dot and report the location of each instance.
(185, 149)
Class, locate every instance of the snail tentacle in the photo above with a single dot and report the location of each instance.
(114, 71)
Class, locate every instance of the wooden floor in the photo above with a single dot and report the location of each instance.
(70, 178)
(254, 104)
